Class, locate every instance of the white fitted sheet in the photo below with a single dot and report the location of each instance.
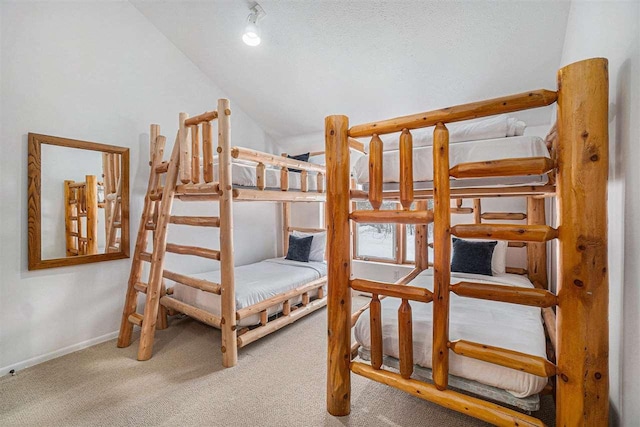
(461, 152)
(254, 283)
(509, 326)
(244, 174)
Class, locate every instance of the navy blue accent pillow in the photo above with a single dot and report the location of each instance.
(472, 257)
(299, 248)
(302, 157)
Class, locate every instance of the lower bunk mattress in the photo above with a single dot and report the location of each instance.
(460, 152)
(509, 326)
(254, 283)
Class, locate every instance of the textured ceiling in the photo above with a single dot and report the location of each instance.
(369, 60)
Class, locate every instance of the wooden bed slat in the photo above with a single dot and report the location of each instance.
(375, 326)
(528, 233)
(503, 167)
(203, 285)
(490, 107)
(391, 216)
(405, 339)
(506, 216)
(196, 221)
(499, 356)
(207, 116)
(406, 169)
(191, 311)
(193, 250)
(375, 172)
(279, 323)
(279, 299)
(510, 294)
(478, 408)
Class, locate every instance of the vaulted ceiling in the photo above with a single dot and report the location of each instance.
(367, 59)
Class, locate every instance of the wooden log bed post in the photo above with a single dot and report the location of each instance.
(582, 318)
(442, 256)
(228, 293)
(338, 252)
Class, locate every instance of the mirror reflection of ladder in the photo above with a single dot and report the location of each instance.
(81, 216)
(112, 200)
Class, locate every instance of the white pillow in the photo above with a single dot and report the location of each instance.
(317, 244)
(499, 258)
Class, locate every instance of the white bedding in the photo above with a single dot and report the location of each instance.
(244, 174)
(462, 152)
(254, 283)
(510, 326)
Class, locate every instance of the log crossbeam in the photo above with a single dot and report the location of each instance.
(508, 358)
(412, 293)
(509, 294)
(526, 233)
(391, 216)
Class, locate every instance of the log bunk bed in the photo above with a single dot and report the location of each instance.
(574, 311)
(237, 174)
(83, 199)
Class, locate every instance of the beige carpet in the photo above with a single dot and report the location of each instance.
(279, 381)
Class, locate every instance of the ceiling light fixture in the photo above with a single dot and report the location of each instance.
(251, 34)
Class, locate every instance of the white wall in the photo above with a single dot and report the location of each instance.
(96, 71)
(611, 30)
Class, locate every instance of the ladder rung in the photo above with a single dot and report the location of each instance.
(136, 319)
(73, 218)
(193, 250)
(145, 256)
(504, 167)
(389, 216)
(150, 226)
(156, 195)
(113, 248)
(73, 234)
(527, 233)
(511, 359)
(82, 214)
(140, 287)
(198, 221)
(189, 310)
(510, 294)
(72, 201)
(82, 239)
(201, 284)
(117, 225)
(507, 216)
(162, 167)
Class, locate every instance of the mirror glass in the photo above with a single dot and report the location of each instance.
(78, 202)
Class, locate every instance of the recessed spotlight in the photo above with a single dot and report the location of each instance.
(251, 35)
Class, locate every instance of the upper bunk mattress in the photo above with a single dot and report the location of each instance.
(460, 152)
(510, 326)
(244, 174)
(253, 283)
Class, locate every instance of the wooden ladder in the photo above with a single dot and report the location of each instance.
(155, 218)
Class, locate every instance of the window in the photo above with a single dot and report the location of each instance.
(376, 241)
(392, 243)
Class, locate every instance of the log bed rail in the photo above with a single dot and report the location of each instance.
(577, 328)
(190, 175)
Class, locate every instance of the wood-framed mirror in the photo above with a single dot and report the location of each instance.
(78, 202)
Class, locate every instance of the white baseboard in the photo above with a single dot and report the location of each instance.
(58, 353)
